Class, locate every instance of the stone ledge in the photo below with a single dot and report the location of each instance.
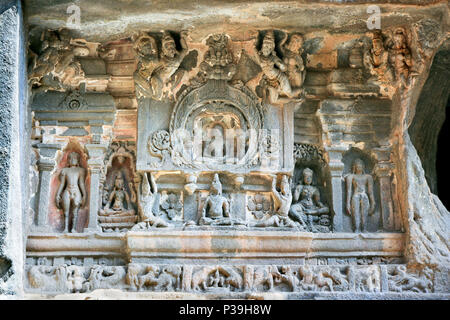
(214, 245)
(115, 294)
(232, 245)
(75, 244)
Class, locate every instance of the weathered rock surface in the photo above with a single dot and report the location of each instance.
(317, 190)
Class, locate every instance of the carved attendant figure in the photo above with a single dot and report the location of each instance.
(400, 56)
(72, 190)
(55, 66)
(218, 61)
(281, 203)
(360, 199)
(147, 200)
(307, 202)
(148, 60)
(293, 60)
(275, 80)
(376, 59)
(168, 71)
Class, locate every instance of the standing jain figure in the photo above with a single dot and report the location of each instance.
(360, 199)
(72, 190)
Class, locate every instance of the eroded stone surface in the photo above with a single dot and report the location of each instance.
(271, 155)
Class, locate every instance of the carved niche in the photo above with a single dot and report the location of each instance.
(360, 198)
(310, 207)
(119, 209)
(69, 189)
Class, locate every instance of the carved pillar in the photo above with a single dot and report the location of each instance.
(288, 136)
(46, 164)
(336, 170)
(96, 154)
(383, 171)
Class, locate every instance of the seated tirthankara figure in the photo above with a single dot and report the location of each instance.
(216, 210)
(119, 204)
(281, 201)
(306, 205)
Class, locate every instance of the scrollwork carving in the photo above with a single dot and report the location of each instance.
(308, 152)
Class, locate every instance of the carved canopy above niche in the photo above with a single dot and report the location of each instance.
(217, 109)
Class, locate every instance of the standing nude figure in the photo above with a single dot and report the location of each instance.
(360, 199)
(72, 190)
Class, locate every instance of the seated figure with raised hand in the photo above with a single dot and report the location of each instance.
(147, 201)
(119, 203)
(216, 210)
(306, 203)
(281, 201)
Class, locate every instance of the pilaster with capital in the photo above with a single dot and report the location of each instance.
(46, 165)
(96, 154)
(336, 166)
(384, 171)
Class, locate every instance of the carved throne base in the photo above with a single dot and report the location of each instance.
(119, 222)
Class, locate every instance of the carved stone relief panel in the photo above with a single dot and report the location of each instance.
(160, 69)
(275, 148)
(259, 206)
(369, 279)
(119, 199)
(61, 62)
(282, 76)
(308, 206)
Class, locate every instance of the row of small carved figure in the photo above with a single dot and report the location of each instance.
(157, 71)
(301, 209)
(259, 278)
(388, 59)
